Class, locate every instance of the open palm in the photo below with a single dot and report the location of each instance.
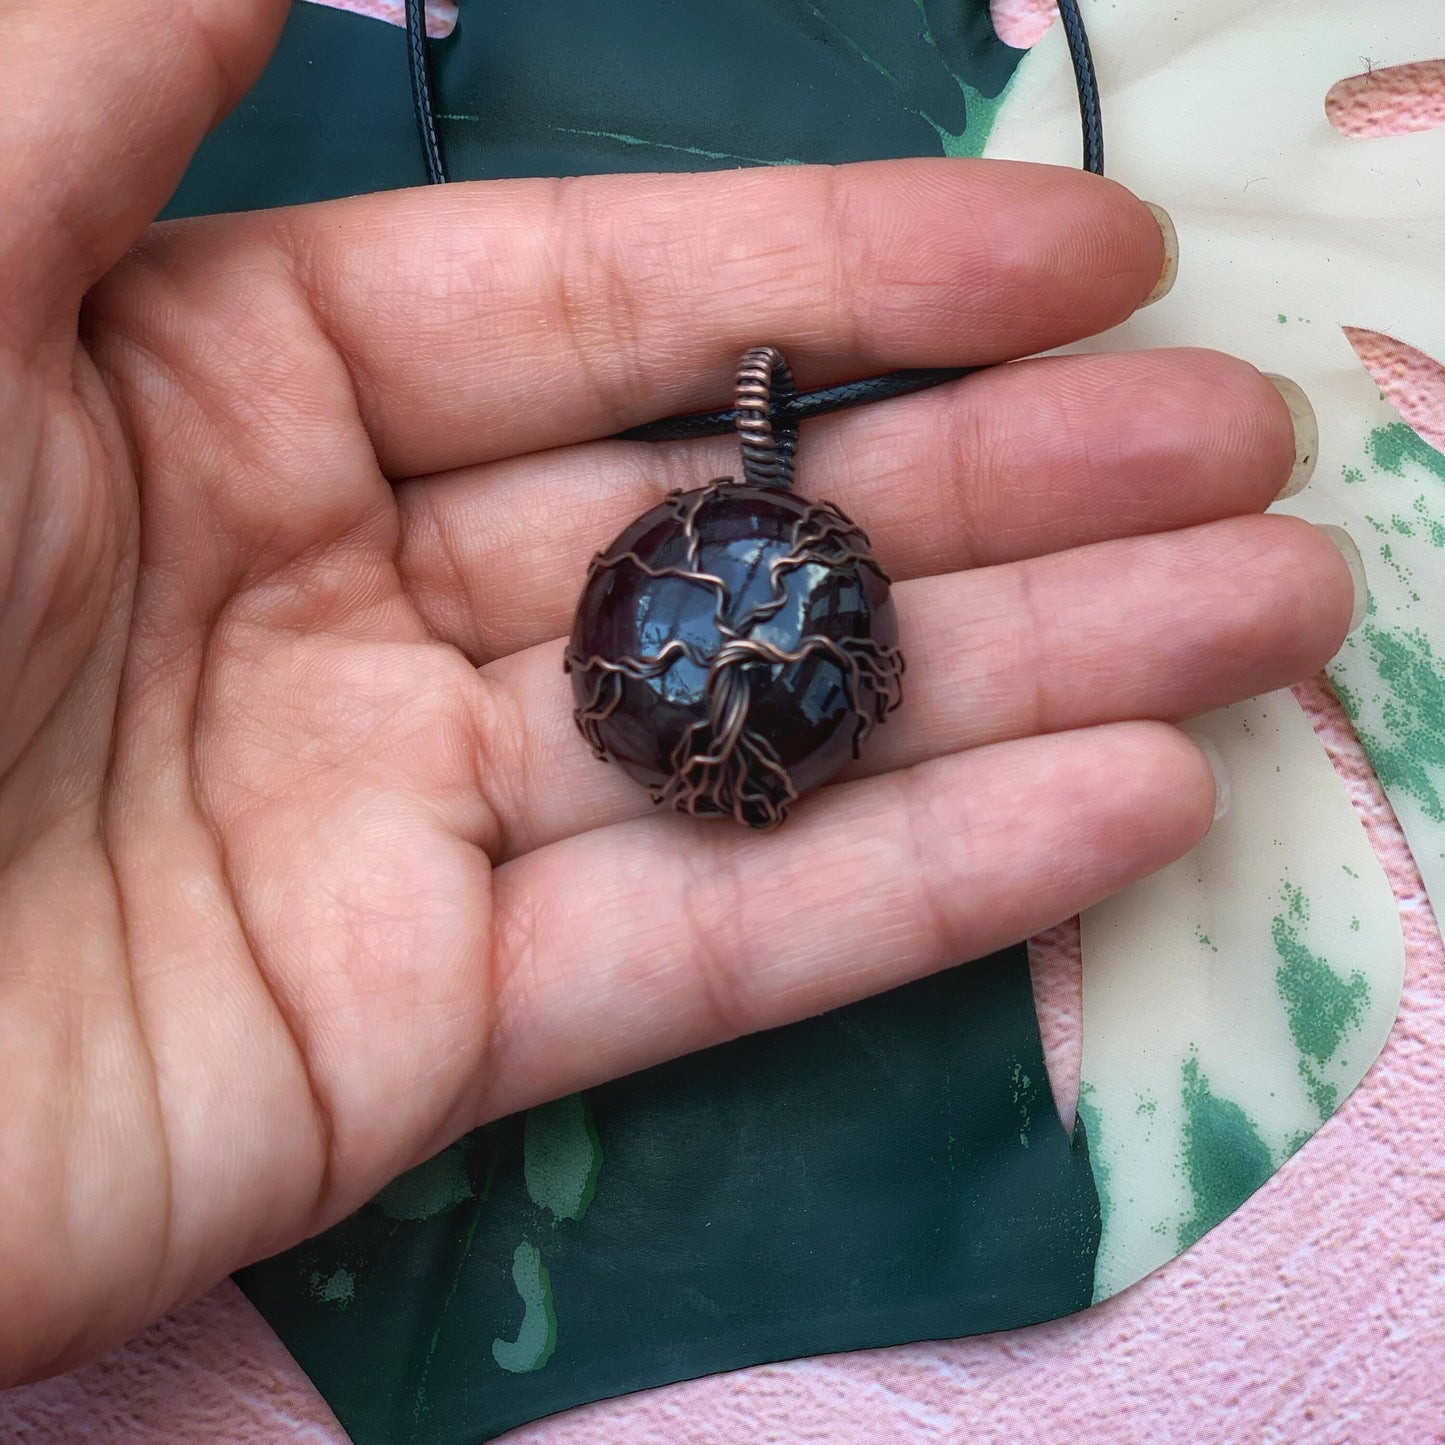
(303, 867)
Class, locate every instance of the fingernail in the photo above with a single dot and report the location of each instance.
(1223, 792)
(1356, 564)
(1165, 284)
(1306, 434)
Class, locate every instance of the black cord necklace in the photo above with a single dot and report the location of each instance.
(736, 644)
(803, 405)
(422, 100)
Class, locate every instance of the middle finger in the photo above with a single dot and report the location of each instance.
(1010, 463)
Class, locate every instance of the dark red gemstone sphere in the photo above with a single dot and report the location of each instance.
(732, 648)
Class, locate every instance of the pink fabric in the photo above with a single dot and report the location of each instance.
(1394, 101)
(1023, 23)
(1317, 1312)
(441, 15)
(1414, 382)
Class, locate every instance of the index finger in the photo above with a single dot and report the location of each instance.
(483, 321)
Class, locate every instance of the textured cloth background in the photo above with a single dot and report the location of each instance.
(1314, 1314)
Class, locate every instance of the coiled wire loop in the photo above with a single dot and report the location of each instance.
(769, 443)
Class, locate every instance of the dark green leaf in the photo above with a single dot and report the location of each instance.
(892, 1171)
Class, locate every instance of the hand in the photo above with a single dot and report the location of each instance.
(303, 868)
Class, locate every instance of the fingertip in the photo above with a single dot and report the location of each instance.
(1104, 249)
(1258, 427)
(1138, 237)
(1216, 420)
(1035, 256)
(1359, 589)
(1170, 791)
(1321, 569)
(1219, 771)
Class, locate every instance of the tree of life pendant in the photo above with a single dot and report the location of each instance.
(737, 643)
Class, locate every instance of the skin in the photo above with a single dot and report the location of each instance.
(303, 871)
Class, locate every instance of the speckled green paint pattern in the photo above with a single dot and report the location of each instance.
(337, 1288)
(1088, 1113)
(1392, 447)
(1322, 1007)
(1225, 1160)
(1025, 1097)
(563, 1157)
(537, 1334)
(982, 112)
(1393, 450)
(1408, 751)
(1404, 730)
(433, 1187)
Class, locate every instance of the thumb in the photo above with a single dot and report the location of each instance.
(101, 107)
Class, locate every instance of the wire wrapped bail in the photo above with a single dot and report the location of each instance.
(768, 446)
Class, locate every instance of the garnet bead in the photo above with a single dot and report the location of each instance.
(736, 644)
(732, 649)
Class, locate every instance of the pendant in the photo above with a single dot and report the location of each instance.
(736, 644)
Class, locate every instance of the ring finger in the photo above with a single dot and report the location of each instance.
(1162, 627)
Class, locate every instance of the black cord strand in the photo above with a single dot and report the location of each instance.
(800, 407)
(1087, 79)
(792, 410)
(423, 93)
